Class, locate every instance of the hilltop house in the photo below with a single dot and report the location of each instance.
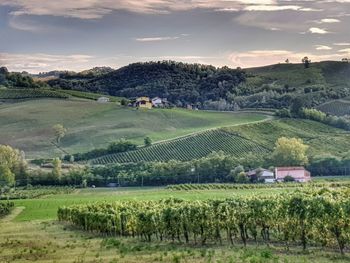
(144, 102)
(266, 175)
(300, 174)
(103, 100)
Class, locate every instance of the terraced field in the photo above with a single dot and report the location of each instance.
(240, 141)
(188, 148)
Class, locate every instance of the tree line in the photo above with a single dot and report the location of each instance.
(217, 167)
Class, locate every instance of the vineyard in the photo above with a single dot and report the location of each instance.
(239, 141)
(322, 139)
(187, 148)
(217, 186)
(34, 192)
(5, 208)
(13, 94)
(336, 107)
(307, 218)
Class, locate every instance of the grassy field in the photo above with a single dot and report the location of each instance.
(32, 234)
(27, 125)
(46, 208)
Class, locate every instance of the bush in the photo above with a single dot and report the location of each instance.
(288, 178)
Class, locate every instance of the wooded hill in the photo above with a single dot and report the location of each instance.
(274, 86)
(178, 82)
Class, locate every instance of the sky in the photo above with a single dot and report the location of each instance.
(44, 35)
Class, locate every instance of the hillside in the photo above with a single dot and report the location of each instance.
(27, 125)
(272, 86)
(276, 86)
(240, 141)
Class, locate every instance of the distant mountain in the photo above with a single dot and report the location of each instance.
(18, 80)
(65, 74)
(97, 71)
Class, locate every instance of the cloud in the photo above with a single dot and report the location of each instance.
(96, 9)
(255, 58)
(231, 9)
(266, 7)
(154, 39)
(329, 20)
(345, 50)
(316, 30)
(39, 62)
(342, 44)
(322, 47)
(272, 7)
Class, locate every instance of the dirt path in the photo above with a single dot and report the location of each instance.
(15, 212)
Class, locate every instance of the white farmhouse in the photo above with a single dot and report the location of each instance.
(265, 174)
(157, 102)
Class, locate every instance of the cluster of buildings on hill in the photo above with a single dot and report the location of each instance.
(142, 102)
(281, 174)
(148, 103)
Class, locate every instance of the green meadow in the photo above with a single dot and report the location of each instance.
(27, 125)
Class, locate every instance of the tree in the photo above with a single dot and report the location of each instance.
(147, 141)
(124, 102)
(6, 176)
(297, 105)
(57, 168)
(241, 178)
(290, 152)
(59, 132)
(306, 61)
(12, 164)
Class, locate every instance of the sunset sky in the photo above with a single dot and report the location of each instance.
(38, 35)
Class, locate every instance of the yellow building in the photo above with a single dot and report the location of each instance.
(144, 102)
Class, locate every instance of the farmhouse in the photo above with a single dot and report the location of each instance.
(144, 102)
(103, 100)
(300, 174)
(264, 174)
